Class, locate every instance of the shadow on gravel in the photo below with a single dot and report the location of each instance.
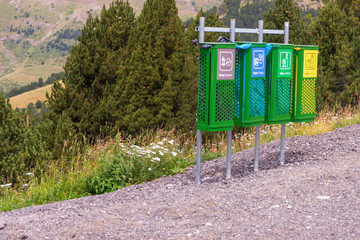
(242, 163)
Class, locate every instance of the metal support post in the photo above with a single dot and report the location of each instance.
(198, 133)
(282, 137)
(232, 29)
(198, 157)
(282, 145)
(257, 128)
(261, 31)
(228, 155)
(256, 153)
(229, 133)
(201, 29)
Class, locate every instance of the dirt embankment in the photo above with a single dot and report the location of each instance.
(315, 195)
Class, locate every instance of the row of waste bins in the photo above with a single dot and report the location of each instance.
(248, 84)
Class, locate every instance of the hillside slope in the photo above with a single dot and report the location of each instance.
(315, 195)
(36, 35)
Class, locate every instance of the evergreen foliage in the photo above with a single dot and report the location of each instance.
(336, 32)
(286, 11)
(246, 15)
(156, 85)
(21, 145)
(90, 68)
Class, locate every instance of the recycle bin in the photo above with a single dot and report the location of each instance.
(279, 74)
(216, 90)
(304, 84)
(250, 84)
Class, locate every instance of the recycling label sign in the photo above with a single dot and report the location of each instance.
(225, 64)
(310, 63)
(258, 62)
(285, 63)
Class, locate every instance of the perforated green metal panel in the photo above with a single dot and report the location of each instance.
(216, 87)
(304, 88)
(225, 93)
(204, 58)
(257, 97)
(279, 75)
(283, 96)
(238, 84)
(250, 85)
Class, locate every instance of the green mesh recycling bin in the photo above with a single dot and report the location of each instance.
(216, 87)
(250, 84)
(279, 72)
(304, 84)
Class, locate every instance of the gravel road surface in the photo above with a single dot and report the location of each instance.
(315, 195)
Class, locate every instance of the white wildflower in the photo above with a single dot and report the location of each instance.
(149, 168)
(161, 153)
(174, 154)
(171, 142)
(160, 143)
(135, 146)
(155, 159)
(25, 185)
(6, 185)
(29, 174)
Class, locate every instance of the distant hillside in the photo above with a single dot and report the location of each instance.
(36, 35)
(22, 100)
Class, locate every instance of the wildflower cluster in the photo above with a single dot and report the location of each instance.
(155, 152)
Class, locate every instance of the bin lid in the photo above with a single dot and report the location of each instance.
(306, 47)
(219, 45)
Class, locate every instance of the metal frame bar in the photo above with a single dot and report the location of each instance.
(282, 138)
(233, 30)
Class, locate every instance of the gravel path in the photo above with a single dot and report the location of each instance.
(316, 195)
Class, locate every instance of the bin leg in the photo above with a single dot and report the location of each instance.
(256, 154)
(198, 157)
(228, 155)
(282, 145)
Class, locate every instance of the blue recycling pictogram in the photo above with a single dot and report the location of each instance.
(258, 62)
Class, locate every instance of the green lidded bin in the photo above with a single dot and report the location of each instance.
(216, 90)
(304, 83)
(250, 84)
(279, 72)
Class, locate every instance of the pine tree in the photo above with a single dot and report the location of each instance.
(155, 86)
(336, 33)
(21, 146)
(286, 11)
(91, 68)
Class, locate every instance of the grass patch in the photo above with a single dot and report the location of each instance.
(122, 161)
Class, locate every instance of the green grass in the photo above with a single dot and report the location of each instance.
(119, 162)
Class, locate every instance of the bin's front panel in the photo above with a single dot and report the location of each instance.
(203, 89)
(222, 89)
(255, 87)
(280, 84)
(305, 86)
